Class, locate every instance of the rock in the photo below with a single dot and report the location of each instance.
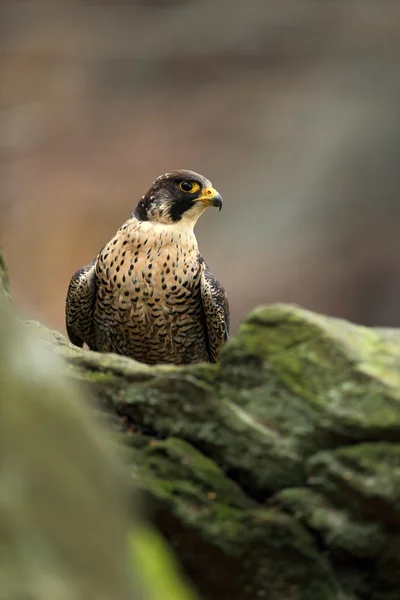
(276, 473)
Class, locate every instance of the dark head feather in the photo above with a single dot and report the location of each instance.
(165, 201)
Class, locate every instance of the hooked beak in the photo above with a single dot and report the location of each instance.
(210, 197)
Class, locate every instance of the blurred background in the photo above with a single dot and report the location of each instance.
(291, 108)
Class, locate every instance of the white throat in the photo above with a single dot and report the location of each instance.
(177, 233)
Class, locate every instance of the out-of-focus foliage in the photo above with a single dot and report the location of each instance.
(157, 567)
(291, 108)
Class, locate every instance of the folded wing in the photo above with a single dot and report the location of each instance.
(79, 307)
(216, 312)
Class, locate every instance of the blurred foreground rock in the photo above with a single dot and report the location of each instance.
(64, 525)
(66, 528)
(276, 473)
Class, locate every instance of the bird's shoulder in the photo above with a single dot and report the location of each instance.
(213, 286)
(84, 275)
(79, 305)
(216, 310)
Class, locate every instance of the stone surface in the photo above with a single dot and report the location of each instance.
(276, 473)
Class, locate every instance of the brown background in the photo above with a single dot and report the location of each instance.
(291, 108)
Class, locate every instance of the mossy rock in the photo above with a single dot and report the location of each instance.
(275, 473)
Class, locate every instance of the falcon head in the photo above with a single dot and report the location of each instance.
(177, 196)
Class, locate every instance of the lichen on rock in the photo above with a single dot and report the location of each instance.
(280, 464)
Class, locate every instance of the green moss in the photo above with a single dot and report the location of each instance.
(301, 405)
(340, 530)
(174, 469)
(200, 495)
(343, 374)
(366, 477)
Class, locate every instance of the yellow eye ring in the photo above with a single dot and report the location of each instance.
(189, 186)
(186, 186)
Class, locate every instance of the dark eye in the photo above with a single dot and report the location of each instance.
(186, 186)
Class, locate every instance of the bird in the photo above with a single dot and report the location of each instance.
(149, 294)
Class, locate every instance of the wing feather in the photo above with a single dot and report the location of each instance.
(216, 312)
(79, 306)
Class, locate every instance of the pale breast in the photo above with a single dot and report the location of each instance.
(149, 303)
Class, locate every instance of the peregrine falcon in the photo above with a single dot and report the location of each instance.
(149, 294)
